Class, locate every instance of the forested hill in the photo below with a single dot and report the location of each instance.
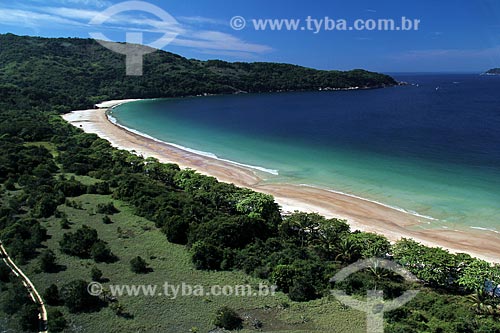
(72, 72)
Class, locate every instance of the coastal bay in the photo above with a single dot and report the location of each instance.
(362, 214)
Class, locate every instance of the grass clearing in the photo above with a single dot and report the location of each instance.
(129, 236)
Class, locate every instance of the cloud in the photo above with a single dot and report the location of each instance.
(30, 19)
(449, 54)
(200, 20)
(95, 3)
(232, 54)
(190, 35)
(447, 59)
(371, 10)
(214, 40)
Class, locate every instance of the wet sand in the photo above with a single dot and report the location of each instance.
(361, 214)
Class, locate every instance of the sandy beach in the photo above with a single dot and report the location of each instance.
(361, 214)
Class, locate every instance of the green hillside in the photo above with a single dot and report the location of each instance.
(40, 68)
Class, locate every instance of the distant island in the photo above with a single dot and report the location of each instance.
(493, 71)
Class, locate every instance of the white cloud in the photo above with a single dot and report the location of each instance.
(200, 20)
(95, 3)
(32, 19)
(214, 40)
(449, 53)
(189, 33)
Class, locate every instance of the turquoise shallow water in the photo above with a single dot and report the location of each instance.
(431, 149)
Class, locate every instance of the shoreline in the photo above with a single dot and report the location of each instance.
(362, 214)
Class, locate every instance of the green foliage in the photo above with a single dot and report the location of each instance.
(51, 295)
(80, 242)
(206, 256)
(15, 297)
(101, 252)
(228, 319)
(57, 322)
(107, 208)
(98, 74)
(4, 272)
(48, 261)
(474, 276)
(76, 297)
(225, 227)
(435, 266)
(106, 220)
(22, 238)
(139, 266)
(28, 317)
(95, 274)
(65, 224)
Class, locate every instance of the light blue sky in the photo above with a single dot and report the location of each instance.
(454, 35)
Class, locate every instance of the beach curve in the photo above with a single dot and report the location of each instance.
(360, 213)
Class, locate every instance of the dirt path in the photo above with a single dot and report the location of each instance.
(35, 296)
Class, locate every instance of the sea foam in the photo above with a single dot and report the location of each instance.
(191, 150)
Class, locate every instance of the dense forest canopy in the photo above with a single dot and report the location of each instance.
(39, 68)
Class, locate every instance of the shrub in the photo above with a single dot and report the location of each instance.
(96, 274)
(48, 261)
(107, 208)
(57, 322)
(51, 295)
(77, 298)
(101, 252)
(228, 319)
(106, 220)
(139, 265)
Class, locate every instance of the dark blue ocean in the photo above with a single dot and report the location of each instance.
(431, 147)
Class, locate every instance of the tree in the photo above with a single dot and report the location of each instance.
(228, 319)
(206, 256)
(476, 274)
(259, 205)
(80, 242)
(107, 208)
(302, 228)
(48, 261)
(10, 184)
(77, 298)
(101, 252)
(15, 297)
(435, 266)
(139, 265)
(301, 290)
(332, 231)
(283, 276)
(57, 322)
(176, 229)
(4, 272)
(51, 295)
(65, 224)
(28, 317)
(369, 245)
(96, 274)
(106, 220)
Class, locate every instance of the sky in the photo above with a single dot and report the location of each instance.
(453, 35)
